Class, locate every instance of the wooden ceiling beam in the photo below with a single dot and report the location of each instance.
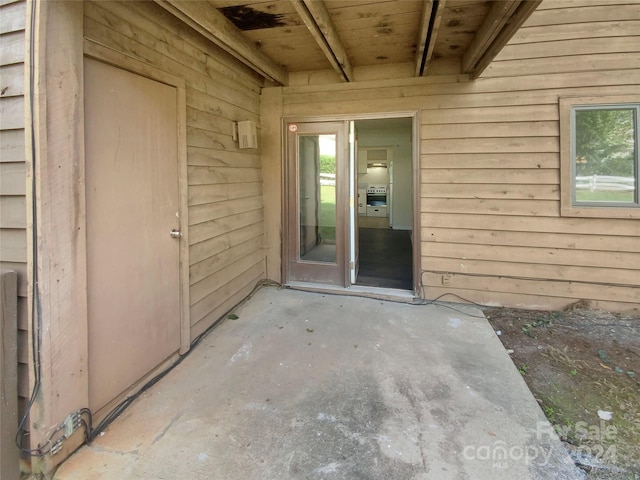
(316, 17)
(208, 21)
(494, 22)
(431, 17)
(523, 11)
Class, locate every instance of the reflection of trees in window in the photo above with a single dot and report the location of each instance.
(327, 163)
(605, 142)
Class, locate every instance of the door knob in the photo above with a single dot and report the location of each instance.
(175, 233)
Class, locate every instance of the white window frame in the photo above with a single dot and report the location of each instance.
(568, 206)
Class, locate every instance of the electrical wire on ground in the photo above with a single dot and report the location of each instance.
(118, 409)
(90, 433)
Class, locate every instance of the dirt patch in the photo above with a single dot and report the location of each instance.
(583, 367)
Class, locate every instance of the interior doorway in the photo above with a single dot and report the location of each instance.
(350, 203)
(385, 202)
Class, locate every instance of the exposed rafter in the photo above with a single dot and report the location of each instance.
(510, 26)
(431, 17)
(493, 23)
(316, 17)
(204, 18)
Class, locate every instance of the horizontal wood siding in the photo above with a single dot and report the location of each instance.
(225, 183)
(490, 167)
(517, 249)
(13, 170)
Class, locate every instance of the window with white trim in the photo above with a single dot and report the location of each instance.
(600, 164)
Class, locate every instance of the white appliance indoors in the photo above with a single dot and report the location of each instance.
(377, 201)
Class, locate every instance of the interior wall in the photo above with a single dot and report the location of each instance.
(373, 176)
(491, 226)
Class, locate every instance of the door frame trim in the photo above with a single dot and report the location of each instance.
(133, 65)
(416, 181)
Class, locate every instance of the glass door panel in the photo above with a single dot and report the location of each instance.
(317, 202)
(317, 197)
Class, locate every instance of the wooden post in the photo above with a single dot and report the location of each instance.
(61, 245)
(9, 467)
(271, 108)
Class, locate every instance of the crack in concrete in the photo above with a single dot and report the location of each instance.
(166, 429)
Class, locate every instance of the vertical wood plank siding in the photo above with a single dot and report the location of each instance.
(225, 183)
(489, 158)
(13, 213)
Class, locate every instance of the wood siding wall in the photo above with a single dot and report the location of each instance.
(502, 161)
(13, 179)
(489, 157)
(225, 183)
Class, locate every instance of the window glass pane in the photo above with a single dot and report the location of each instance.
(605, 153)
(317, 197)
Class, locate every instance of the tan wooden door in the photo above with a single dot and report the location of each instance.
(132, 205)
(318, 194)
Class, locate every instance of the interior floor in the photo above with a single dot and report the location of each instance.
(385, 258)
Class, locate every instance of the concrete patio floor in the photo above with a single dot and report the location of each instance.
(314, 386)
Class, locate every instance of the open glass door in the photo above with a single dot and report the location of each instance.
(353, 205)
(318, 189)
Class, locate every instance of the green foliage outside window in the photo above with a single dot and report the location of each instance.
(605, 146)
(605, 142)
(327, 164)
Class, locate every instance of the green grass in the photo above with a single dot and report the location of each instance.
(328, 213)
(587, 196)
(327, 206)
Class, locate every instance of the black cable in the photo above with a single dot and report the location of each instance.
(36, 319)
(479, 305)
(436, 301)
(88, 424)
(413, 303)
(122, 406)
(87, 431)
(91, 434)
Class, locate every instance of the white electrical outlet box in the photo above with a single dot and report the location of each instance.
(247, 134)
